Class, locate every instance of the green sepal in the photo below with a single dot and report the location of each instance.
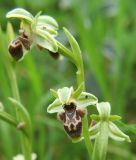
(116, 134)
(21, 14)
(54, 107)
(45, 40)
(64, 94)
(86, 99)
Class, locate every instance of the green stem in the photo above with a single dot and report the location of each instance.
(88, 143)
(25, 141)
(101, 143)
(80, 79)
(65, 52)
(13, 81)
(8, 118)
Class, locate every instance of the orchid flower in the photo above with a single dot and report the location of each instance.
(40, 30)
(104, 110)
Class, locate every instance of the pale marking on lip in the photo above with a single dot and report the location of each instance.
(74, 121)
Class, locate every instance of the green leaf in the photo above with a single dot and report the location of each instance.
(86, 99)
(8, 118)
(74, 45)
(54, 107)
(21, 14)
(78, 91)
(127, 127)
(23, 116)
(45, 40)
(64, 94)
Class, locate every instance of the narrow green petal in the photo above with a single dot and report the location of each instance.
(86, 99)
(94, 131)
(115, 133)
(56, 106)
(64, 94)
(45, 40)
(115, 137)
(21, 14)
(104, 109)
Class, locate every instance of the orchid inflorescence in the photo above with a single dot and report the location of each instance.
(70, 104)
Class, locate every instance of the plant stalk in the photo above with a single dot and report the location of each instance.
(25, 141)
(80, 79)
(101, 143)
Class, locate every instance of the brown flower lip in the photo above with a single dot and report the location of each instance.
(16, 49)
(17, 46)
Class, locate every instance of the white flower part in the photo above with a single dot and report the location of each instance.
(21, 14)
(86, 99)
(54, 107)
(116, 134)
(64, 94)
(21, 157)
(104, 109)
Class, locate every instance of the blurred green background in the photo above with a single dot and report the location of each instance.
(106, 32)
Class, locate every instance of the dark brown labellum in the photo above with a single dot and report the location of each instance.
(72, 120)
(17, 46)
(16, 49)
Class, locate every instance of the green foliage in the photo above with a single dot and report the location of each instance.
(106, 31)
